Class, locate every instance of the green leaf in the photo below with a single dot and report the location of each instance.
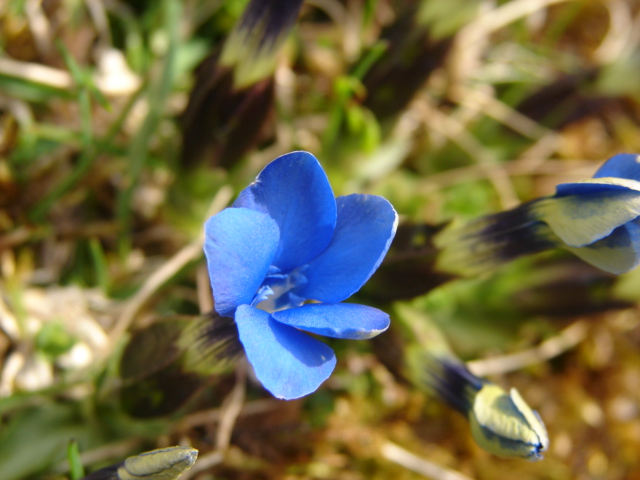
(35, 438)
(73, 455)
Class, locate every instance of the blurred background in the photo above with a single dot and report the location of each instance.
(125, 124)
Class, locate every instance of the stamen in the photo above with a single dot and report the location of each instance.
(276, 291)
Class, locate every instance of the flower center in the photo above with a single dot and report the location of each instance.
(277, 290)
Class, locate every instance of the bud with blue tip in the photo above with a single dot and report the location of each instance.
(596, 219)
(501, 422)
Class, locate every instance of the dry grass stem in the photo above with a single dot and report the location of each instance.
(505, 14)
(213, 415)
(34, 72)
(186, 255)
(62, 80)
(526, 166)
(203, 463)
(619, 38)
(39, 25)
(495, 173)
(541, 150)
(566, 340)
(231, 408)
(480, 101)
(408, 460)
(98, 14)
(203, 289)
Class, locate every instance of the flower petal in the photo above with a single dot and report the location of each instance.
(595, 186)
(289, 363)
(624, 165)
(585, 212)
(239, 245)
(364, 230)
(295, 192)
(337, 320)
(618, 253)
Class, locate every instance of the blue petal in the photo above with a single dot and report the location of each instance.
(289, 363)
(364, 231)
(597, 186)
(624, 165)
(337, 320)
(239, 246)
(618, 253)
(591, 211)
(295, 192)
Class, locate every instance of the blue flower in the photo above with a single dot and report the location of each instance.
(287, 240)
(596, 219)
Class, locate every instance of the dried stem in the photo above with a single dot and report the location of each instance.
(231, 409)
(566, 340)
(187, 254)
(408, 460)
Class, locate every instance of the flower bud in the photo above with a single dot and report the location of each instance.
(161, 464)
(503, 424)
